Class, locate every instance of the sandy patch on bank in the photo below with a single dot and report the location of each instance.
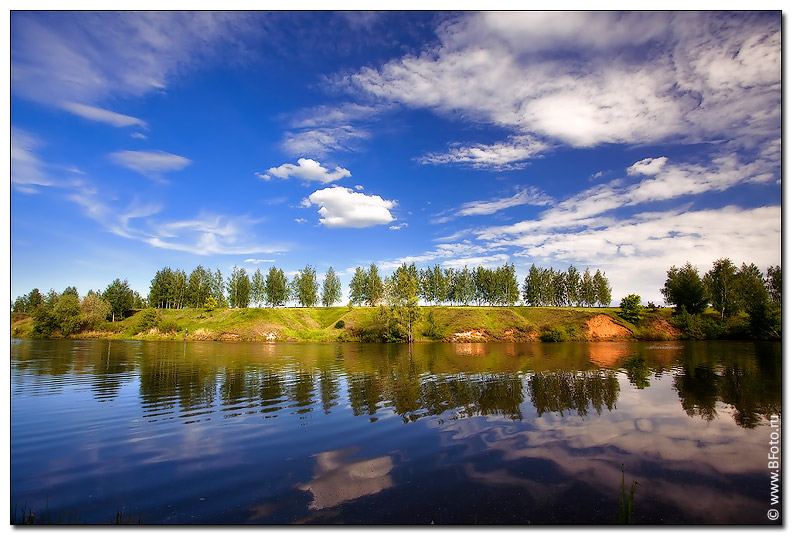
(602, 327)
(469, 336)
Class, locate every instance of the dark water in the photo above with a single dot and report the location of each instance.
(172, 432)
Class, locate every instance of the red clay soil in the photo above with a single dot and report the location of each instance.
(602, 327)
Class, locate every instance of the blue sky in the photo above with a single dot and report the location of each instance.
(626, 142)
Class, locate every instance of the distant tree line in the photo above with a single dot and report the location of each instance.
(547, 287)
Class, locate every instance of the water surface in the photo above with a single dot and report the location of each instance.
(511, 433)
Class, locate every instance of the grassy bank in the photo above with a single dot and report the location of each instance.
(322, 324)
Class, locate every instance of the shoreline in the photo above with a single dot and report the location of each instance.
(450, 324)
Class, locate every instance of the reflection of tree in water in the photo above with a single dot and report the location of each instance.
(496, 394)
(301, 392)
(328, 390)
(365, 393)
(271, 391)
(565, 390)
(163, 380)
(698, 392)
(751, 387)
(638, 372)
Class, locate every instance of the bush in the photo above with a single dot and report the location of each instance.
(556, 334)
(168, 326)
(697, 327)
(631, 309)
(109, 326)
(147, 319)
(431, 328)
(340, 324)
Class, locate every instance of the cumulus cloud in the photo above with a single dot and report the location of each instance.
(622, 77)
(149, 163)
(343, 207)
(306, 169)
(101, 115)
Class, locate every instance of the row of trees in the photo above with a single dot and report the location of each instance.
(731, 291)
(547, 287)
(68, 313)
(436, 285)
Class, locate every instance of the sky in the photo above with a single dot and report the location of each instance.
(627, 142)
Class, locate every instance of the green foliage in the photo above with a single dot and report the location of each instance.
(357, 286)
(146, 320)
(697, 327)
(68, 314)
(276, 287)
(306, 289)
(631, 309)
(340, 324)
(168, 289)
(120, 297)
(638, 372)
(685, 290)
(624, 513)
(431, 328)
(722, 287)
(258, 288)
(331, 288)
(210, 303)
(94, 310)
(168, 325)
(238, 288)
(375, 290)
(773, 283)
(199, 286)
(556, 334)
(602, 289)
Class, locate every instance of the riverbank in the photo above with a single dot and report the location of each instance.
(332, 324)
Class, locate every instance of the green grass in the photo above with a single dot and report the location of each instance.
(360, 323)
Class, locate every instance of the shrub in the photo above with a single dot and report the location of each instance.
(631, 309)
(168, 326)
(147, 319)
(210, 304)
(340, 324)
(556, 334)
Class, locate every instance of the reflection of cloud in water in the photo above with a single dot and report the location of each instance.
(338, 480)
(692, 466)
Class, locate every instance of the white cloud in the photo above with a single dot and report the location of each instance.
(622, 77)
(88, 57)
(321, 141)
(342, 207)
(149, 163)
(498, 156)
(27, 170)
(398, 227)
(530, 196)
(663, 181)
(647, 166)
(359, 187)
(306, 169)
(258, 260)
(138, 135)
(300, 220)
(101, 115)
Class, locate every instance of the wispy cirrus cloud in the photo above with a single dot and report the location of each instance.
(501, 156)
(306, 169)
(525, 196)
(343, 207)
(151, 164)
(101, 115)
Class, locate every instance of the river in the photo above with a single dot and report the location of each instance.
(506, 433)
